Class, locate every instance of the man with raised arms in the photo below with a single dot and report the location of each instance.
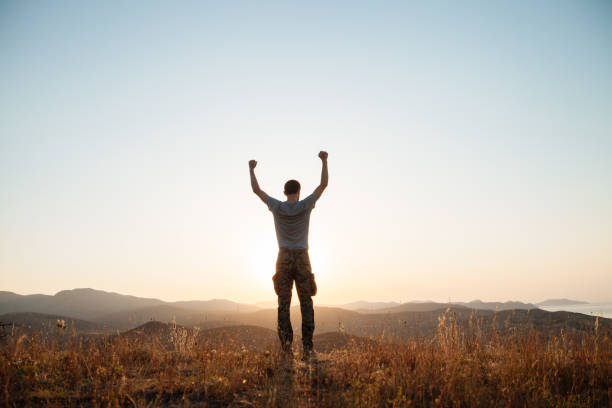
(291, 220)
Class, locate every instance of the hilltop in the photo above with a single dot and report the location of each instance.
(161, 364)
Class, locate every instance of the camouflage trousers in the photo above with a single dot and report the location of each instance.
(294, 265)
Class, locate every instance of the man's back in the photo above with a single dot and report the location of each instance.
(291, 221)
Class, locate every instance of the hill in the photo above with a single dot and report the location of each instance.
(128, 319)
(405, 325)
(160, 364)
(479, 304)
(114, 311)
(87, 304)
(169, 336)
(402, 326)
(561, 302)
(410, 307)
(365, 305)
(215, 306)
(431, 306)
(117, 310)
(29, 322)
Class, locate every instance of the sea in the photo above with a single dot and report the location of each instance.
(591, 309)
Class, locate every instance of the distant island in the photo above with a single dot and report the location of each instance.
(561, 302)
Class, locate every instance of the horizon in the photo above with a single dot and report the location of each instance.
(294, 301)
(469, 147)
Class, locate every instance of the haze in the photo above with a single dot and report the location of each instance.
(469, 145)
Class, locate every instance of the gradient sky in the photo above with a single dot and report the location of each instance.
(470, 147)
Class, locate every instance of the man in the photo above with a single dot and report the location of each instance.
(291, 220)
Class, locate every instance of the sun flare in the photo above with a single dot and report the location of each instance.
(262, 259)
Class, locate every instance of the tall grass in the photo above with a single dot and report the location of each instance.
(461, 366)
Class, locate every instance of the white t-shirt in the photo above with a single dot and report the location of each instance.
(291, 221)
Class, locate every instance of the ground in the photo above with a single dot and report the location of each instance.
(461, 366)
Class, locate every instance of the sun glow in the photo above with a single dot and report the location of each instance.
(262, 259)
(319, 257)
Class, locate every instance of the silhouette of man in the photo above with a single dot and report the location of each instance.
(291, 220)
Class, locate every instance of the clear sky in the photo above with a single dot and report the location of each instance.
(470, 147)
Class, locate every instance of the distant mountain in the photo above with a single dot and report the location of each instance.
(431, 306)
(365, 305)
(404, 325)
(120, 311)
(561, 302)
(216, 306)
(395, 327)
(479, 304)
(410, 307)
(87, 304)
(107, 310)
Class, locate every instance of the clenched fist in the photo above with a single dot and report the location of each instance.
(252, 164)
(323, 155)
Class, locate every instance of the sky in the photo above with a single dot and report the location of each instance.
(470, 147)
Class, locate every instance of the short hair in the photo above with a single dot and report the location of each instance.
(292, 187)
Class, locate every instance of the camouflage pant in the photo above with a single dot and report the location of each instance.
(294, 265)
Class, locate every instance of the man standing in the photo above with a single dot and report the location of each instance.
(291, 220)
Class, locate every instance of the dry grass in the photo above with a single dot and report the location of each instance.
(459, 367)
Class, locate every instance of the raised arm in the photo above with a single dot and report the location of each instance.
(254, 183)
(324, 177)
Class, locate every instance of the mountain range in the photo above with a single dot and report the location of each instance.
(91, 312)
(115, 310)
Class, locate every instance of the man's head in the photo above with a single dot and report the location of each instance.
(292, 188)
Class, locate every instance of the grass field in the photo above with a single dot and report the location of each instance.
(461, 366)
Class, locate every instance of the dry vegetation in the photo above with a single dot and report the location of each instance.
(462, 366)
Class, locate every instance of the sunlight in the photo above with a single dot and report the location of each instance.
(319, 258)
(262, 259)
